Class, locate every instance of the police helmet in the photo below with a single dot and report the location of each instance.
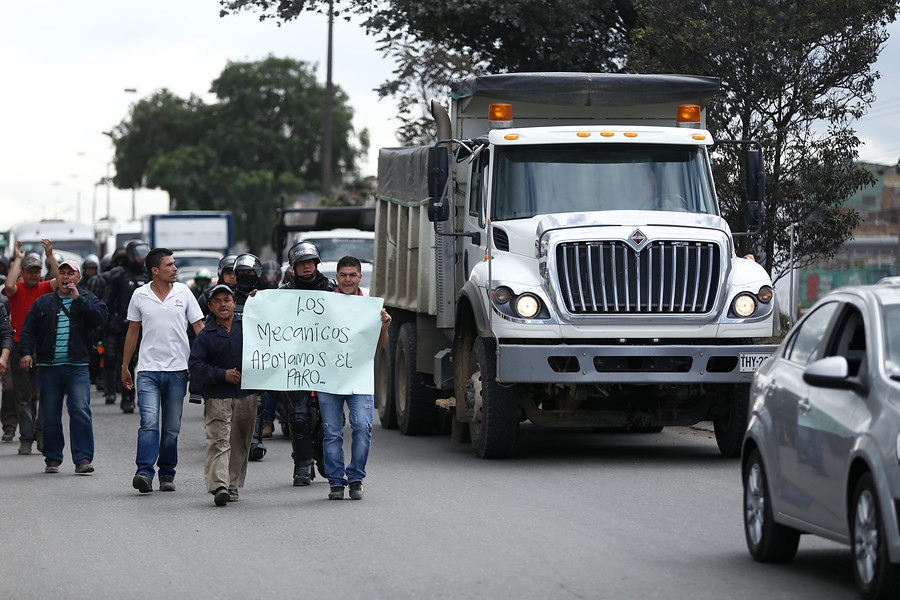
(226, 264)
(119, 258)
(247, 270)
(90, 262)
(106, 262)
(271, 274)
(303, 251)
(203, 274)
(137, 251)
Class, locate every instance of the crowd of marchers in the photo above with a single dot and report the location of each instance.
(131, 330)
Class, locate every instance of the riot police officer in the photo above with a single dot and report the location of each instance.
(304, 259)
(226, 276)
(123, 281)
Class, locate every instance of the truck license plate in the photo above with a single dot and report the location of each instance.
(750, 362)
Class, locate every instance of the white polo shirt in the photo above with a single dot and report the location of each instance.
(164, 340)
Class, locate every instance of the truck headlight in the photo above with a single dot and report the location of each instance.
(527, 306)
(744, 305)
(502, 294)
(765, 294)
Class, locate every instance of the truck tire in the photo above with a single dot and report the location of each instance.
(385, 389)
(495, 419)
(416, 410)
(730, 428)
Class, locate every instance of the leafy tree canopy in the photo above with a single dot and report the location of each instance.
(261, 139)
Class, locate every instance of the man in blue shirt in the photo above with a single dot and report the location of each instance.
(56, 337)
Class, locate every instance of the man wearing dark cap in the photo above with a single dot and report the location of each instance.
(22, 295)
(56, 337)
(215, 364)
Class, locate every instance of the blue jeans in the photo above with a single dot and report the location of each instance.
(74, 383)
(161, 398)
(331, 407)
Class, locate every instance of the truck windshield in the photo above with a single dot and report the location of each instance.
(535, 180)
(79, 247)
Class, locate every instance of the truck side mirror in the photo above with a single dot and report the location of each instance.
(753, 215)
(756, 176)
(438, 173)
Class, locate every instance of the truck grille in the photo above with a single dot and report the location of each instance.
(606, 277)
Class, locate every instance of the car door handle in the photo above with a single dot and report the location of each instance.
(804, 406)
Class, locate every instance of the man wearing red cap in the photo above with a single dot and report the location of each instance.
(56, 338)
(21, 296)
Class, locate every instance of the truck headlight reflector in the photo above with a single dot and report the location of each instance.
(502, 294)
(744, 305)
(527, 306)
(765, 294)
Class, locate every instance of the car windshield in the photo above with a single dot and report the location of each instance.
(892, 340)
(334, 249)
(534, 180)
(79, 247)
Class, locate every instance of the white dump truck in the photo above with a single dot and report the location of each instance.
(559, 256)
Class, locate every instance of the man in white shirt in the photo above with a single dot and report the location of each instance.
(159, 312)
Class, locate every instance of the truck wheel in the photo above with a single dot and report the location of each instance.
(767, 540)
(730, 428)
(495, 419)
(416, 410)
(875, 575)
(384, 380)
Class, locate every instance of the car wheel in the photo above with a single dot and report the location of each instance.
(767, 540)
(494, 423)
(875, 575)
(731, 427)
(416, 410)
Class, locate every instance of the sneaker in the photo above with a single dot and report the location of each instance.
(8, 435)
(336, 493)
(356, 490)
(52, 467)
(166, 484)
(268, 429)
(84, 467)
(301, 475)
(257, 451)
(142, 483)
(221, 496)
(25, 447)
(233, 496)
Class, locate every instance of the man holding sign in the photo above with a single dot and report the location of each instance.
(349, 274)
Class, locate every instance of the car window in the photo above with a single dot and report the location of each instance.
(850, 339)
(806, 339)
(892, 341)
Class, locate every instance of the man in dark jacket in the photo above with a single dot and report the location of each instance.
(56, 337)
(215, 364)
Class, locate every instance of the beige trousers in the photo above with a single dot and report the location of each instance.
(229, 430)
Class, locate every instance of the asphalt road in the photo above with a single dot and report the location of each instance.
(581, 515)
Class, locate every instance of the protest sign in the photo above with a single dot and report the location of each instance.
(302, 340)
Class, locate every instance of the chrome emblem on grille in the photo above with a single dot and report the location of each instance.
(637, 239)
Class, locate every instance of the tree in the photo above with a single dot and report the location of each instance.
(258, 141)
(794, 76)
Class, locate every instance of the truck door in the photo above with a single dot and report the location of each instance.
(476, 212)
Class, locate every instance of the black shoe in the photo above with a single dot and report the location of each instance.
(166, 484)
(142, 483)
(127, 406)
(257, 451)
(336, 493)
(84, 467)
(233, 495)
(8, 435)
(111, 399)
(301, 475)
(221, 497)
(356, 490)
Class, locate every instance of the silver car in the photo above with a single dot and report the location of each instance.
(822, 450)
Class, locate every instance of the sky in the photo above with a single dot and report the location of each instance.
(67, 65)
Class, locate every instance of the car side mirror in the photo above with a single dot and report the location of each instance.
(438, 174)
(832, 372)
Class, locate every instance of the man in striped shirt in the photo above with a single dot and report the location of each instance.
(56, 338)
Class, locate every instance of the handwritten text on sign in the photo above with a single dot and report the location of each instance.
(320, 341)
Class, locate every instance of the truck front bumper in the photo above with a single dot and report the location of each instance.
(669, 364)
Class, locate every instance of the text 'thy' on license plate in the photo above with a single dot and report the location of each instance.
(750, 362)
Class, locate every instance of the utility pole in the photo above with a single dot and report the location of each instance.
(329, 110)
